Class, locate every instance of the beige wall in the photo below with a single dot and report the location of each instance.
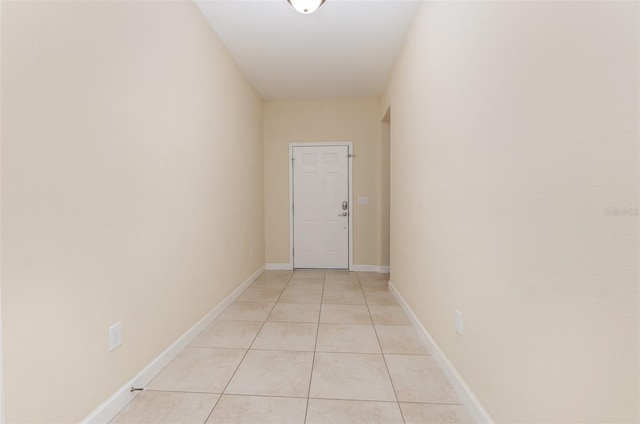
(2, 415)
(514, 129)
(132, 191)
(384, 180)
(357, 121)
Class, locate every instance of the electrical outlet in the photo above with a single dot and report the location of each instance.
(115, 336)
(458, 321)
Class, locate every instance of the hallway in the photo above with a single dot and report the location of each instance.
(147, 183)
(304, 347)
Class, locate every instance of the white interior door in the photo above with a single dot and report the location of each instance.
(320, 206)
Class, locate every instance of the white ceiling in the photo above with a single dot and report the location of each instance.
(344, 50)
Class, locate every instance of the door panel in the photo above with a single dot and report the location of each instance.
(320, 186)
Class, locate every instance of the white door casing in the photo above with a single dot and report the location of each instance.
(320, 189)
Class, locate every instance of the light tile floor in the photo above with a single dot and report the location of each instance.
(303, 347)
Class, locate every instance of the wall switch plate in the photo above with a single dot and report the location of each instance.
(458, 321)
(115, 336)
(363, 200)
(250, 252)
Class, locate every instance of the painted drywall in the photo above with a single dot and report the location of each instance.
(355, 120)
(384, 181)
(514, 198)
(132, 169)
(2, 417)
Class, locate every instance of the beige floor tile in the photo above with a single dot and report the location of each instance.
(418, 413)
(229, 334)
(301, 296)
(273, 373)
(388, 315)
(355, 338)
(341, 275)
(259, 295)
(239, 311)
(287, 336)
(306, 284)
(167, 407)
(345, 314)
(349, 381)
(378, 298)
(417, 378)
(275, 275)
(324, 411)
(309, 273)
(400, 339)
(295, 312)
(269, 284)
(367, 276)
(343, 297)
(341, 285)
(351, 376)
(375, 285)
(199, 369)
(233, 409)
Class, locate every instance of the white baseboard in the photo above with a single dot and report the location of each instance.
(279, 267)
(359, 268)
(110, 407)
(463, 391)
(364, 268)
(370, 268)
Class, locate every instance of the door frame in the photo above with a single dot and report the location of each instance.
(349, 146)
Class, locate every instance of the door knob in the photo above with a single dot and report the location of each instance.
(343, 214)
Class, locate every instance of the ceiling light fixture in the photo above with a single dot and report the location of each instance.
(306, 6)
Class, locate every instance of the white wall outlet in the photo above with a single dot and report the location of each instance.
(115, 336)
(458, 321)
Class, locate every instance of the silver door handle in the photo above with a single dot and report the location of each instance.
(343, 214)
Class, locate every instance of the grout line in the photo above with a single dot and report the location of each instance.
(315, 349)
(262, 349)
(385, 363)
(243, 357)
(304, 350)
(302, 397)
(315, 346)
(195, 392)
(216, 347)
(355, 400)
